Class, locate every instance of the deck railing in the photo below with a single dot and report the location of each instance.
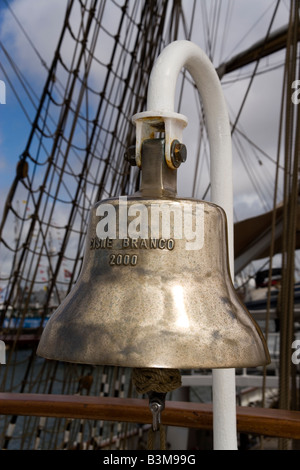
(250, 420)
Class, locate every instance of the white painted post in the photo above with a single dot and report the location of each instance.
(161, 99)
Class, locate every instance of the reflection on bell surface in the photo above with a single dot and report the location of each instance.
(155, 289)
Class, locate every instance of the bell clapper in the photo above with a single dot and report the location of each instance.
(156, 405)
(156, 383)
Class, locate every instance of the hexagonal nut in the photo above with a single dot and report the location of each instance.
(178, 153)
(130, 155)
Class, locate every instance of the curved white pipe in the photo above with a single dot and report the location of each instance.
(160, 100)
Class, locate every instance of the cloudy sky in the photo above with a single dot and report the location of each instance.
(29, 31)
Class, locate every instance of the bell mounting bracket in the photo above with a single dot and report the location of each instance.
(168, 125)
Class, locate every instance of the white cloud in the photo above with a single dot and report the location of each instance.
(42, 21)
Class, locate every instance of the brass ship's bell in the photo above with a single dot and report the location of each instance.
(155, 289)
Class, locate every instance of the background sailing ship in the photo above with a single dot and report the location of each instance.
(73, 156)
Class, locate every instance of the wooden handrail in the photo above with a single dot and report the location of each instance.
(263, 421)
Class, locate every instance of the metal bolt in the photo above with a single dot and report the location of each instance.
(156, 409)
(130, 155)
(156, 405)
(178, 153)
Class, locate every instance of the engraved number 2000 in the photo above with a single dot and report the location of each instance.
(124, 260)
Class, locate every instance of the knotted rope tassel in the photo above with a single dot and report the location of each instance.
(162, 438)
(156, 380)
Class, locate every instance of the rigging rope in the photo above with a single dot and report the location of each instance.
(75, 154)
